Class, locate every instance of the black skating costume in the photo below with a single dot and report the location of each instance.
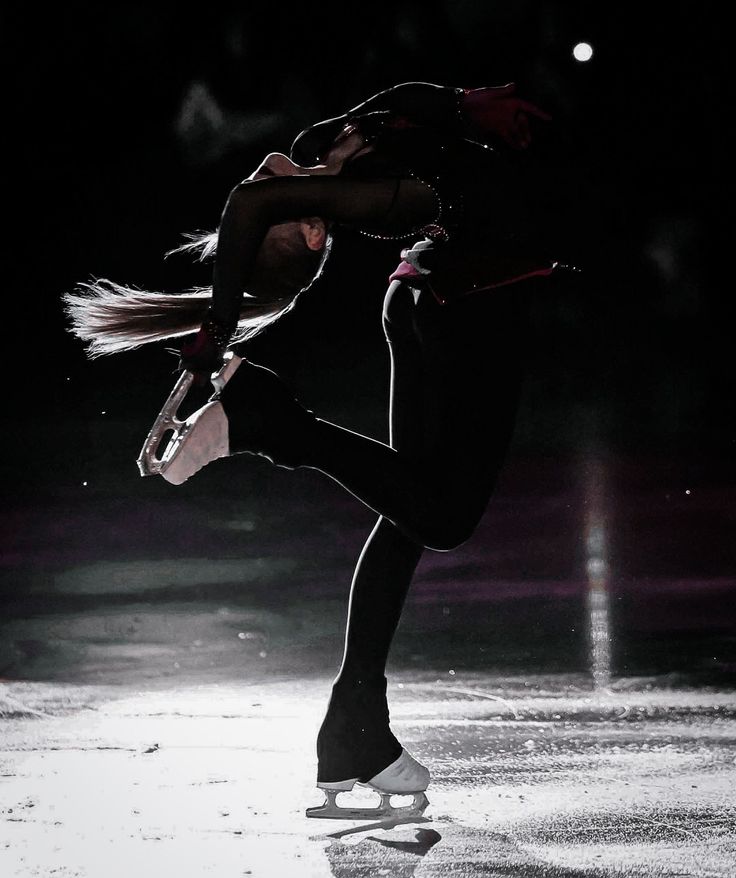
(454, 318)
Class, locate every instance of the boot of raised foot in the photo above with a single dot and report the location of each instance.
(201, 439)
(265, 418)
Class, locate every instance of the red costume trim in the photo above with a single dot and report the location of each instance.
(406, 270)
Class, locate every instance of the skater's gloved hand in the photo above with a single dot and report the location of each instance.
(203, 354)
(495, 110)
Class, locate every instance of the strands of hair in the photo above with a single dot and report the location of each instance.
(111, 317)
(205, 242)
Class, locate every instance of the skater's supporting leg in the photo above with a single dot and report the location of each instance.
(433, 419)
(389, 558)
(381, 581)
(433, 414)
(355, 739)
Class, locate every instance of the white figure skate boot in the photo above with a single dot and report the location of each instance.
(202, 438)
(404, 776)
(355, 745)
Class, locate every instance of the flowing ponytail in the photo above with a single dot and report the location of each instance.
(110, 317)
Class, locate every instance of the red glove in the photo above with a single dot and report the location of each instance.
(203, 354)
(497, 111)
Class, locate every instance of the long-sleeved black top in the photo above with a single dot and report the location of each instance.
(485, 230)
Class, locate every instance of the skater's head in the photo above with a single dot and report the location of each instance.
(292, 253)
(289, 259)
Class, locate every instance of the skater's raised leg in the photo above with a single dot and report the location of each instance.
(470, 357)
(355, 740)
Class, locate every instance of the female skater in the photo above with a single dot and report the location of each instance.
(434, 168)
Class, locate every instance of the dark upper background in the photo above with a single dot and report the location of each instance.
(126, 125)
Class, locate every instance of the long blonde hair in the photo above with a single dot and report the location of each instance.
(111, 317)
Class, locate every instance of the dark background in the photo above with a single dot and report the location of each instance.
(126, 125)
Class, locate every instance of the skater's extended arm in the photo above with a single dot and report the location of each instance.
(492, 114)
(420, 102)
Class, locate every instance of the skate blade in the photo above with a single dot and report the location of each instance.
(149, 461)
(330, 810)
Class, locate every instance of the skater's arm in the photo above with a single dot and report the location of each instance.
(397, 205)
(422, 103)
(493, 113)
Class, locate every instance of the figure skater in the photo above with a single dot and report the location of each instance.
(434, 168)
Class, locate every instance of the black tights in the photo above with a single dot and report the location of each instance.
(456, 375)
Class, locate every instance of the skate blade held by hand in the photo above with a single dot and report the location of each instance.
(192, 442)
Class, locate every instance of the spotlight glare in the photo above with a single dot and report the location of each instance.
(582, 52)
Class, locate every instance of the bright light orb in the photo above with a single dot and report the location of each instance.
(582, 52)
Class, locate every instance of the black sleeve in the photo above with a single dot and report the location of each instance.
(422, 103)
(395, 205)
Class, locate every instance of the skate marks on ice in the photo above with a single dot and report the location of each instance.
(602, 784)
(545, 780)
(200, 781)
(549, 780)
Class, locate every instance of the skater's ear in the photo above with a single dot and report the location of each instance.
(314, 231)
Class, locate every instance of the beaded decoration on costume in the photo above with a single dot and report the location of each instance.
(448, 215)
